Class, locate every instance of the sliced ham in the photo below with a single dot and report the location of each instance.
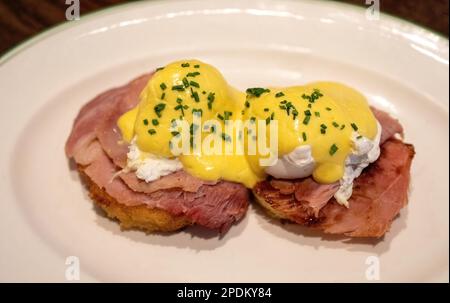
(215, 206)
(107, 130)
(378, 195)
(179, 179)
(92, 115)
(389, 125)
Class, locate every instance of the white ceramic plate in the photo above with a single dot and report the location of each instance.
(46, 215)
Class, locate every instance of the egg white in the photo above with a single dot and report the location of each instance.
(300, 164)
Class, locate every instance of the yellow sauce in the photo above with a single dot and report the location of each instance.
(184, 89)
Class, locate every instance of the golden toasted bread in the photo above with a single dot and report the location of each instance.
(140, 217)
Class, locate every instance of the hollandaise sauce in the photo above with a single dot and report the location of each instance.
(322, 115)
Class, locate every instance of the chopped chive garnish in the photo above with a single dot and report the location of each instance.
(266, 109)
(195, 96)
(279, 94)
(152, 131)
(268, 120)
(210, 98)
(328, 108)
(185, 82)
(323, 126)
(333, 149)
(180, 107)
(155, 122)
(309, 105)
(247, 104)
(323, 131)
(354, 126)
(335, 124)
(175, 133)
(227, 114)
(196, 66)
(163, 96)
(283, 102)
(159, 68)
(198, 111)
(272, 115)
(163, 86)
(257, 91)
(342, 126)
(226, 137)
(317, 114)
(145, 122)
(313, 97)
(306, 120)
(294, 113)
(194, 74)
(307, 112)
(194, 84)
(304, 136)
(359, 137)
(193, 128)
(220, 116)
(185, 65)
(252, 119)
(159, 108)
(178, 88)
(204, 92)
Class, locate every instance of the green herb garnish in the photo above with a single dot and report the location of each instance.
(159, 108)
(178, 88)
(333, 149)
(304, 136)
(306, 120)
(257, 91)
(194, 84)
(194, 74)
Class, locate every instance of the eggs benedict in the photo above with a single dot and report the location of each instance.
(184, 135)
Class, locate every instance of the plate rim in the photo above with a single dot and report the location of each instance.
(59, 27)
(105, 13)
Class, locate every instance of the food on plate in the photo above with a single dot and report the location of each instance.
(181, 146)
(343, 170)
(167, 203)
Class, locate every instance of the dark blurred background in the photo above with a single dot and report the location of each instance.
(21, 19)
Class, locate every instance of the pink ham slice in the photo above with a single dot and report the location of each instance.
(213, 206)
(378, 195)
(179, 179)
(92, 115)
(389, 125)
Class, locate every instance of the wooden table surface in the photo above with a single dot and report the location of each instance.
(21, 19)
